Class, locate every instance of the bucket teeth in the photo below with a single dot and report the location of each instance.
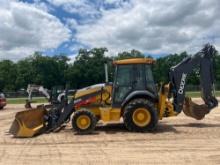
(194, 110)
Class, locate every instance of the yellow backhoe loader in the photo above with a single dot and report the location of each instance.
(133, 96)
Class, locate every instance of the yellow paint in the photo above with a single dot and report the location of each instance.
(83, 122)
(86, 91)
(115, 114)
(165, 104)
(141, 117)
(104, 97)
(28, 123)
(24, 131)
(105, 113)
(110, 114)
(162, 105)
(95, 110)
(135, 61)
(170, 109)
(162, 100)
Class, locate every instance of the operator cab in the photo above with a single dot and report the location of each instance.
(132, 76)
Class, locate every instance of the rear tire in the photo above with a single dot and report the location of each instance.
(140, 115)
(84, 122)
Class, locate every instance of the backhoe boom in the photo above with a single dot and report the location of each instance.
(203, 60)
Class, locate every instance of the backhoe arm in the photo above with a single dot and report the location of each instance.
(38, 88)
(30, 89)
(203, 60)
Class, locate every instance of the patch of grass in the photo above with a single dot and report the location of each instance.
(23, 100)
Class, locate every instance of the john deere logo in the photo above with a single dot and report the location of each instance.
(182, 83)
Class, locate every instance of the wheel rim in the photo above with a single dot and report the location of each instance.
(141, 117)
(83, 122)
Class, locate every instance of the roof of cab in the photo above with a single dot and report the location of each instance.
(135, 61)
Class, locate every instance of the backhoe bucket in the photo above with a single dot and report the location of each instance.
(194, 110)
(28, 123)
(28, 105)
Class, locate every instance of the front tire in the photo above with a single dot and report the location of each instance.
(140, 115)
(84, 122)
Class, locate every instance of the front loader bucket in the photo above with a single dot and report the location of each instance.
(28, 123)
(194, 110)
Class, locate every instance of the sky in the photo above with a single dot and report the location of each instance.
(155, 27)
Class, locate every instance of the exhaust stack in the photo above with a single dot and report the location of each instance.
(106, 73)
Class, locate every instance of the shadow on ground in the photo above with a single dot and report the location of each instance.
(161, 128)
(118, 128)
(197, 125)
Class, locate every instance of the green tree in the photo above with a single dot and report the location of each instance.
(25, 73)
(163, 64)
(132, 54)
(217, 69)
(8, 74)
(49, 71)
(88, 68)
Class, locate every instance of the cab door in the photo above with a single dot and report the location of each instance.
(122, 84)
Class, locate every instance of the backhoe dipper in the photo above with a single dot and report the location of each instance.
(132, 96)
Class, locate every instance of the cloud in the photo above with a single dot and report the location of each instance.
(25, 28)
(72, 58)
(151, 26)
(71, 23)
(41, 5)
(87, 10)
(155, 26)
(115, 3)
(84, 8)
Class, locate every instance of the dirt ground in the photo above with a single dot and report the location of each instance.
(177, 140)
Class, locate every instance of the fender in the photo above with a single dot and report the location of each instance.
(140, 94)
